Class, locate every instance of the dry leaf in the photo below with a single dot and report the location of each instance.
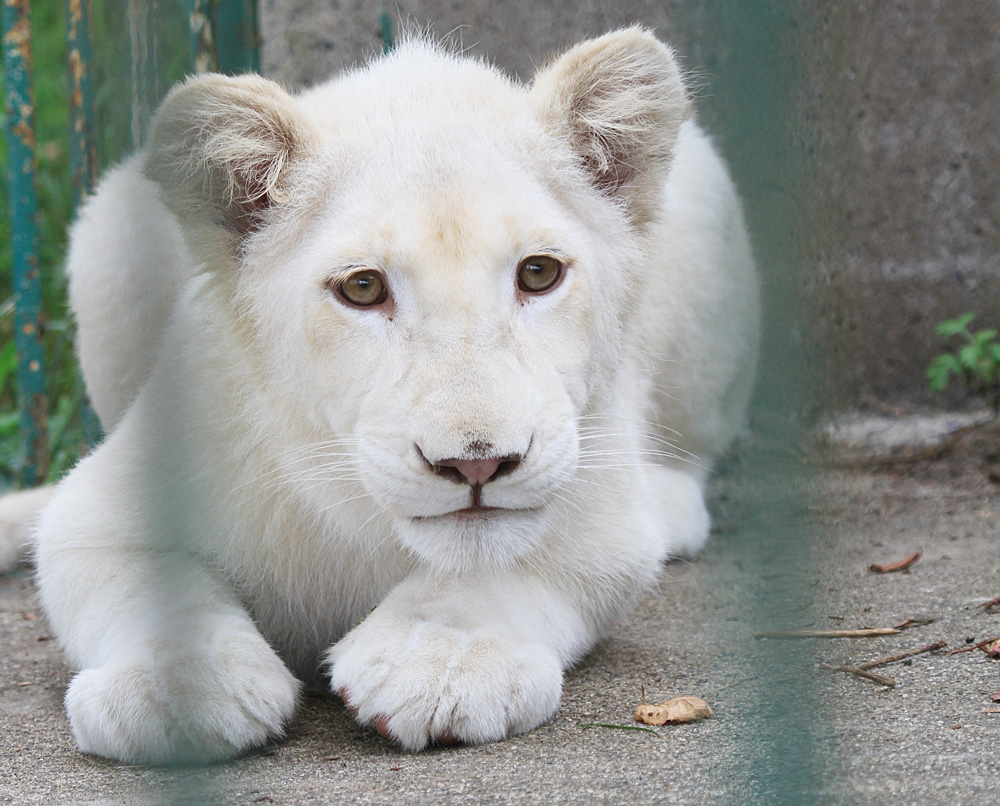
(675, 711)
(992, 648)
(995, 697)
(687, 709)
(651, 714)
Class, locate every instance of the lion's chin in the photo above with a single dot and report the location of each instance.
(474, 538)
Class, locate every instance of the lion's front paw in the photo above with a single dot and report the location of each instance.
(420, 682)
(184, 706)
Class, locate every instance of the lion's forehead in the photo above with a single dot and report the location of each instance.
(449, 219)
(415, 89)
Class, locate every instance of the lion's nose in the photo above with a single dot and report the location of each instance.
(474, 472)
(480, 471)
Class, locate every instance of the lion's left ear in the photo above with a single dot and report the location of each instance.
(619, 100)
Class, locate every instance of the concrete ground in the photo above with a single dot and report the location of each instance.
(785, 554)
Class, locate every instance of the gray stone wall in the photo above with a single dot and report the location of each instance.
(864, 135)
(907, 154)
(305, 41)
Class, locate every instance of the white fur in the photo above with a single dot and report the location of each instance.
(18, 517)
(261, 489)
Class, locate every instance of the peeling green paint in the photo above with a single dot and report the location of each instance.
(83, 141)
(20, 112)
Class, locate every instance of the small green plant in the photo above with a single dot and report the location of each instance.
(977, 359)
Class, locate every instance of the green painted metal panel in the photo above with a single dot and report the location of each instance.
(141, 18)
(83, 141)
(387, 31)
(236, 37)
(224, 36)
(203, 56)
(757, 55)
(80, 62)
(20, 112)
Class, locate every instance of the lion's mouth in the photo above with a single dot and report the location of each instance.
(478, 512)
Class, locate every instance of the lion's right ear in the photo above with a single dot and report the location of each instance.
(219, 147)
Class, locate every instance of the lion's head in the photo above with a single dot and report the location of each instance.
(435, 269)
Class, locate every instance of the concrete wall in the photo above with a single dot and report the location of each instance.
(864, 136)
(907, 95)
(307, 40)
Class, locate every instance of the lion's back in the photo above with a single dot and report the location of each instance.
(126, 264)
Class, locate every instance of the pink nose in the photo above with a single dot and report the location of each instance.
(475, 471)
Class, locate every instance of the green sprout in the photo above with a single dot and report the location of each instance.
(977, 359)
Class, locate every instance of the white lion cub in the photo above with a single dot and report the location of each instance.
(405, 341)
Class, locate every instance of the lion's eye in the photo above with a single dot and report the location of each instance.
(363, 289)
(538, 274)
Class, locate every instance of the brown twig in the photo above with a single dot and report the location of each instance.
(872, 664)
(980, 645)
(863, 669)
(859, 672)
(919, 621)
(988, 606)
(866, 633)
(902, 565)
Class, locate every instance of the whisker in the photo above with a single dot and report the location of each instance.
(317, 451)
(612, 418)
(336, 504)
(575, 504)
(650, 437)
